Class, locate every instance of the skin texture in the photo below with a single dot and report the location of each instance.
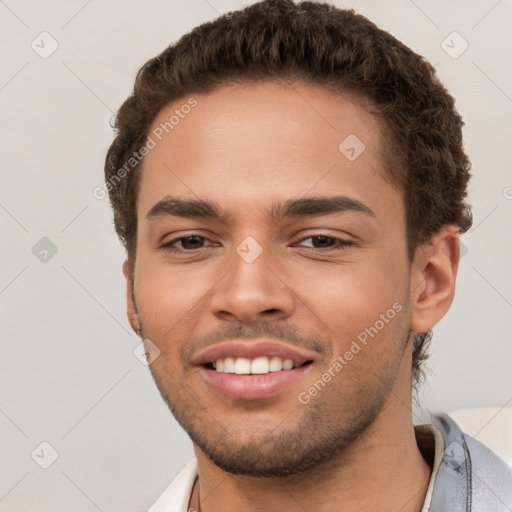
(245, 147)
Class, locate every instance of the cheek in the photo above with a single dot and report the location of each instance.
(363, 311)
(351, 296)
(169, 297)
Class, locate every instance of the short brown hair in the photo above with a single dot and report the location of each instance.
(322, 45)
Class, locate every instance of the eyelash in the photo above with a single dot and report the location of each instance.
(342, 244)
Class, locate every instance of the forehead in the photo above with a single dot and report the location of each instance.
(249, 142)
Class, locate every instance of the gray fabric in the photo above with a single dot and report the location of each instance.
(470, 478)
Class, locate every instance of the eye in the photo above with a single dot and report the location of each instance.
(326, 242)
(196, 242)
(188, 243)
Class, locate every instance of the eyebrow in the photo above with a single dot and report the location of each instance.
(303, 207)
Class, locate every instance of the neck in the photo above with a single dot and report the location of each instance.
(383, 469)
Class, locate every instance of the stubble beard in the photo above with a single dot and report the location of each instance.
(321, 434)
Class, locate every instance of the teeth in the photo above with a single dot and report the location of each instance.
(287, 364)
(259, 366)
(276, 364)
(229, 365)
(242, 366)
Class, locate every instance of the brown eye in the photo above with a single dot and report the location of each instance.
(323, 241)
(192, 242)
(188, 243)
(326, 242)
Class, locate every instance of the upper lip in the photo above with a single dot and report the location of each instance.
(251, 349)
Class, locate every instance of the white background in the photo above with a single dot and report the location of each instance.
(68, 373)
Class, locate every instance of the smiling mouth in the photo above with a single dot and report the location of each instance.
(258, 366)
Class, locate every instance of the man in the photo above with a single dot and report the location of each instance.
(289, 183)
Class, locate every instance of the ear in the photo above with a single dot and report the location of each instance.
(433, 274)
(131, 308)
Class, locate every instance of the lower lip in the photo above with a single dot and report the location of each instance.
(252, 387)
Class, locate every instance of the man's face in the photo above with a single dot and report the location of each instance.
(265, 272)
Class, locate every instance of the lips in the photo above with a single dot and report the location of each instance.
(253, 369)
(252, 349)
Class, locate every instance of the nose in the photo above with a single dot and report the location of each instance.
(253, 291)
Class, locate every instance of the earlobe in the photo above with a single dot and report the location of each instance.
(131, 308)
(433, 275)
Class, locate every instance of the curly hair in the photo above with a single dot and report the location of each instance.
(317, 44)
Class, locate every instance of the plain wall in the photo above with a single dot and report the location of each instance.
(68, 373)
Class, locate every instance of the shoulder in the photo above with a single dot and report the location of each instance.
(470, 475)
